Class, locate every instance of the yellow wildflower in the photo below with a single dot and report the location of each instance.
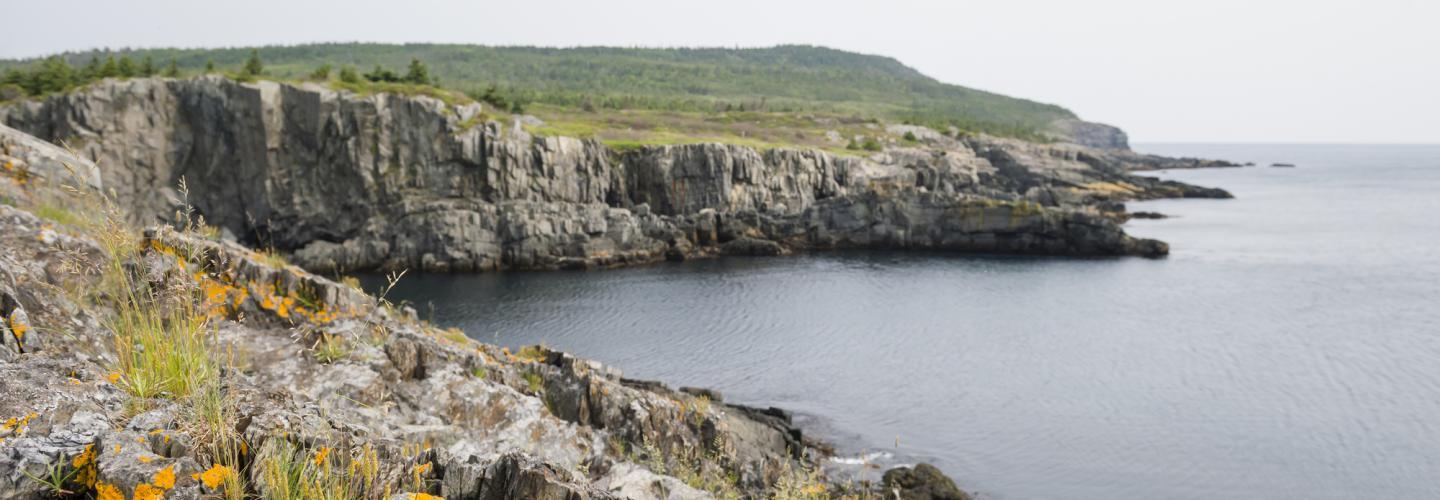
(425, 496)
(320, 456)
(113, 377)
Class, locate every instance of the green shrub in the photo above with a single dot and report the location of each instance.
(347, 75)
(253, 65)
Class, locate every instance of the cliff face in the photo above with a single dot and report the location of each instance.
(354, 182)
(396, 399)
(1095, 135)
(174, 363)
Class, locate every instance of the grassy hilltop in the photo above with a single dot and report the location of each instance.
(785, 79)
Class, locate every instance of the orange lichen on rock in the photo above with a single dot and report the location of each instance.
(17, 426)
(84, 465)
(214, 476)
(107, 491)
(17, 326)
(165, 478)
(147, 491)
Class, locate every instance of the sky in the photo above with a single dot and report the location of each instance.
(1164, 70)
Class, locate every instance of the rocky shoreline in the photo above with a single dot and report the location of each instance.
(298, 376)
(342, 182)
(275, 378)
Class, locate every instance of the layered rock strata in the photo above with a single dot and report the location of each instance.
(348, 182)
(323, 373)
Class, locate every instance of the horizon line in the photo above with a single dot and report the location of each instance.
(1286, 143)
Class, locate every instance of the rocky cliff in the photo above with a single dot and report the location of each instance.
(351, 182)
(1095, 135)
(174, 364)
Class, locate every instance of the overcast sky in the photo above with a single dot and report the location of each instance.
(1193, 71)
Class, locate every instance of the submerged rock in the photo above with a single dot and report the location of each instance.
(923, 482)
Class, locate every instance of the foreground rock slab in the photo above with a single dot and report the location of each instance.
(312, 379)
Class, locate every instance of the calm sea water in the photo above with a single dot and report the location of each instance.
(1288, 348)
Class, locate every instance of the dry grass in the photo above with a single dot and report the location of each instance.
(630, 129)
(689, 465)
(330, 348)
(161, 334)
(287, 472)
(213, 423)
(533, 353)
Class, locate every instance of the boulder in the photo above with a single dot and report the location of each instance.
(923, 482)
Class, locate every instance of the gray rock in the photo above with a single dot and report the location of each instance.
(343, 182)
(1095, 135)
(752, 247)
(47, 160)
(924, 482)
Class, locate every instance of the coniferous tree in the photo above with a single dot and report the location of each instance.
(173, 70)
(111, 69)
(418, 73)
(382, 75)
(147, 66)
(127, 67)
(209, 65)
(321, 73)
(253, 66)
(53, 75)
(13, 77)
(92, 68)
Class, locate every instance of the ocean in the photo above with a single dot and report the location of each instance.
(1289, 347)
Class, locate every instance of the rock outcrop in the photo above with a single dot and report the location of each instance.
(923, 482)
(1095, 135)
(313, 380)
(341, 181)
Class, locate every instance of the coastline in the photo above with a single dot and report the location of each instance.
(262, 305)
